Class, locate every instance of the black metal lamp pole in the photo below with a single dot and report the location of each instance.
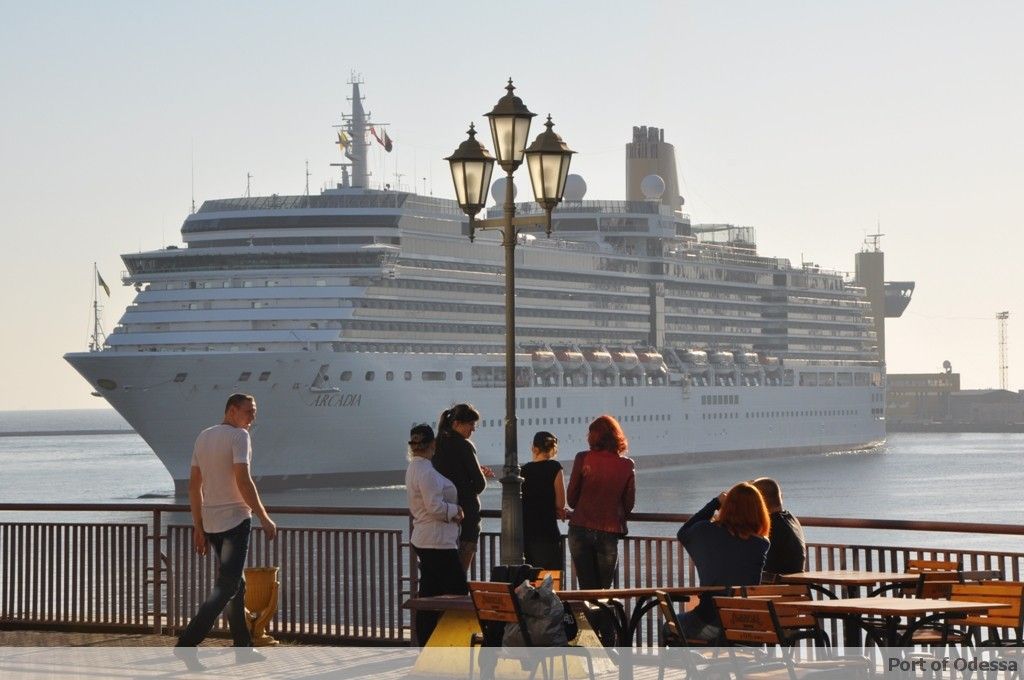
(471, 164)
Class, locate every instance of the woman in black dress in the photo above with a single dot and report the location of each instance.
(543, 504)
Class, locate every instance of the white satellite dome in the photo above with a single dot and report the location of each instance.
(498, 190)
(652, 187)
(575, 188)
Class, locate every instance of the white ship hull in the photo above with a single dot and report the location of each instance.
(356, 433)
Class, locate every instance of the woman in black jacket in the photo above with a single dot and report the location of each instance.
(455, 458)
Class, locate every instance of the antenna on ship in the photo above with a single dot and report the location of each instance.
(193, 177)
(248, 184)
(98, 337)
(307, 177)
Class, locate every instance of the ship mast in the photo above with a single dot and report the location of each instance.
(357, 125)
(98, 337)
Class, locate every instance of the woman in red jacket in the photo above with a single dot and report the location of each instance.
(602, 490)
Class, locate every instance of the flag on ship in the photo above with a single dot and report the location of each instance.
(343, 140)
(102, 283)
(387, 142)
(373, 131)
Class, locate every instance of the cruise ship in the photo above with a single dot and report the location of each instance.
(352, 314)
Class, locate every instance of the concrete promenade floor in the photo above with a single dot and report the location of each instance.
(38, 655)
(45, 638)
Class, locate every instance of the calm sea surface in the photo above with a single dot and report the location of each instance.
(948, 477)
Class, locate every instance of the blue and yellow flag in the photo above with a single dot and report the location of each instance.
(103, 284)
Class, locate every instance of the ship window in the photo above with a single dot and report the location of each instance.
(369, 376)
(191, 284)
(558, 404)
(458, 375)
(390, 375)
(180, 377)
(432, 376)
(264, 376)
(245, 376)
(860, 379)
(346, 376)
(408, 375)
(544, 402)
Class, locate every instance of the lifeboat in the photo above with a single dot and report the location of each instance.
(570, 360)
(721, 358)
(693, 357)
(599, 359)
(543, 360)
(653, 362)
(626, 360)
(747, 361)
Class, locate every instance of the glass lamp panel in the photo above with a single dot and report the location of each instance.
(533, 163)
(562, 176)
(552, 172)
(502, 130)
(522, 133)
(485, 185)
(459, 180)
(474, 172)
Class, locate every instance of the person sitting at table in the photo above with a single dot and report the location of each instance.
(788, 546)
(435, 528)
(543, 504)
(728, 550)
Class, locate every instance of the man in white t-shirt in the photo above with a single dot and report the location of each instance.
(223, 498)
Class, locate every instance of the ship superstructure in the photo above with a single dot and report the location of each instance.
(353, 314)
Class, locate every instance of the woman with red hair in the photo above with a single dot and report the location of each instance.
(602, 490)
(728, 550)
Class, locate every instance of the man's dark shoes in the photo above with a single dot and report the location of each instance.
(190, 656)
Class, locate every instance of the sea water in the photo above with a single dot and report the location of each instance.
(914, 476)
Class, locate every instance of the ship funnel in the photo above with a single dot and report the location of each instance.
(647, 156)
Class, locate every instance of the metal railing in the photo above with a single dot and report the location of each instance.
(337, 584)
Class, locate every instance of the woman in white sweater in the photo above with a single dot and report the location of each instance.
(433, 504)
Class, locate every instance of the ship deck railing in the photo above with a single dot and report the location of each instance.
(345, 572)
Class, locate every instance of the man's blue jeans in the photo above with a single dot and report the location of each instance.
(230, 547)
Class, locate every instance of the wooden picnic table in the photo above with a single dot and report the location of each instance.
(850, 583)
(849, 580)
(918, 612)
(611, 600)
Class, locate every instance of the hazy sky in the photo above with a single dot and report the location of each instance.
(810, 121)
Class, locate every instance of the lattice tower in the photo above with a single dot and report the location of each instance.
(1004, 364)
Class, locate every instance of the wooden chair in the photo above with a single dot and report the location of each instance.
(496, 604)
(697, 664)
(759, 623)
(981, 575)
(556, 578)
(1005, 626)
(935, 572)
(804, 627)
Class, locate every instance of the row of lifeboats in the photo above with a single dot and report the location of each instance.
(621, 361)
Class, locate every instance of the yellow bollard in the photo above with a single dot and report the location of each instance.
(261, 586)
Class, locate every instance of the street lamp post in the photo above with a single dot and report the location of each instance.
(471, 166)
